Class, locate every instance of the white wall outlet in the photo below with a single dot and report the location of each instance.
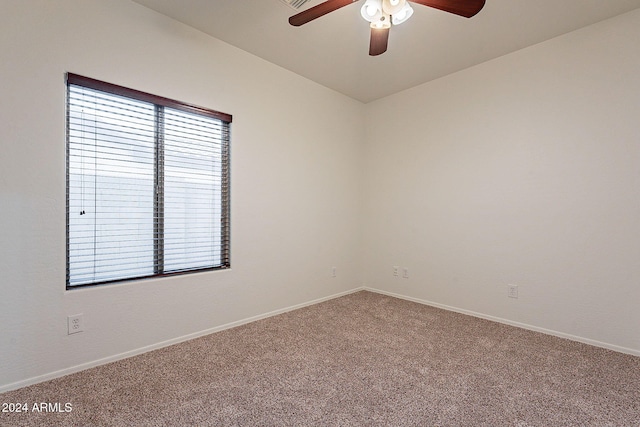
(396, 270)
(405, 273)
(75, 324)
(512, 291)
(334, 272)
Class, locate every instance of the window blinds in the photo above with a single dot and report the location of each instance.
(147, 185)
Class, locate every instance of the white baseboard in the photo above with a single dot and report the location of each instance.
(583, 340)
(131, 353)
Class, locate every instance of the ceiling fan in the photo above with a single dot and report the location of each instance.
(382, 14)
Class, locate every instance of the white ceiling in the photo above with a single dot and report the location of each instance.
(334, 49)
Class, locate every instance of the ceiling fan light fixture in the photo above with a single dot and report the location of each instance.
(382, 14)
(393, 6)
(383, 22)
(404, 14)
(371, 10)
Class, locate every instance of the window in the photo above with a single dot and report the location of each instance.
(147, 185)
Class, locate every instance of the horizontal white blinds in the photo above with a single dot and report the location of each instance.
(147, 187)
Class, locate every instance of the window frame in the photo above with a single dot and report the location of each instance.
(158, 101)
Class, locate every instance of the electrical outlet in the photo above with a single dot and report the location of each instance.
(396, 270)
(512, 291)
(334, 272)
(405, 273)
(75, 324)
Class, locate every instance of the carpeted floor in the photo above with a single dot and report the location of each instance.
(362, 359)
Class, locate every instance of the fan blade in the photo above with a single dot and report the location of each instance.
(466, 8)
(318, 11)
(378, 41)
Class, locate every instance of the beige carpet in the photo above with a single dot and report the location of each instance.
(363, 359)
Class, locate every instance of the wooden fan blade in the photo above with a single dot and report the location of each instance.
(466, 8)
(318, 11)
(378, 41)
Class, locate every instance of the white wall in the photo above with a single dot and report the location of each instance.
(523, 170)
(296, 149)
